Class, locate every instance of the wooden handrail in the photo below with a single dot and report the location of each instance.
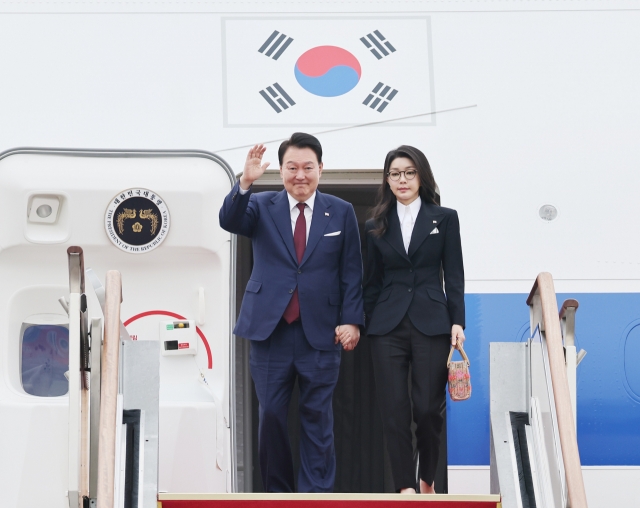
(543, 287)
(109, 390)
(568, 304)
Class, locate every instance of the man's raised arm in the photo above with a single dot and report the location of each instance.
(238, 214)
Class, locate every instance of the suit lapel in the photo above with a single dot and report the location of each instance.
(319, 221)
(394, 233)
(428, 219)
(281, 215)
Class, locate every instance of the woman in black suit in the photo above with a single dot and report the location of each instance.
(410, 322)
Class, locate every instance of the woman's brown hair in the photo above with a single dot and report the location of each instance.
(385, 197)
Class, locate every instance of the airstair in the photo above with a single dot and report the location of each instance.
(113, 414)
(535, 460)
(113, 417)
(534, 453)
(113, 398)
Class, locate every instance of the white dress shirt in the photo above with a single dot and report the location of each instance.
(293, 209)
(408, 215)
(308, 211)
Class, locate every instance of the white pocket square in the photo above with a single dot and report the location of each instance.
(335, 233)
(434, 232)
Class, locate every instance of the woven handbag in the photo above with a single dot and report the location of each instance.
(459, 377)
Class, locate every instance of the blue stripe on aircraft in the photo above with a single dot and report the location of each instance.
(608, 328)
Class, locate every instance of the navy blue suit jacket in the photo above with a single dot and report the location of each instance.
(398, 282)
(329, 278)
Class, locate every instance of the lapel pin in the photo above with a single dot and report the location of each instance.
(326, 213)
(435, 221)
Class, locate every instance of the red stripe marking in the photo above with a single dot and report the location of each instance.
(177, 316)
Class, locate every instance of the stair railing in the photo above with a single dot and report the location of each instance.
(109, 391)
(568, 325)
(544, 313)
(78, 432)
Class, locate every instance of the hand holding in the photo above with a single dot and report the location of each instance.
(253, 167)
(457, 336)
(348, 336)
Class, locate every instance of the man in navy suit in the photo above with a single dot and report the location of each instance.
(302, 303)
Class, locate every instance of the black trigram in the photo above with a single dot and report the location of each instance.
(377, 44)
(380, 97)
(279, 45)
(276, 94)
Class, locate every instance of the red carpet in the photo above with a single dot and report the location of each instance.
(324, 501)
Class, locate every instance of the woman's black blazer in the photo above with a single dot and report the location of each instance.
(397, 283)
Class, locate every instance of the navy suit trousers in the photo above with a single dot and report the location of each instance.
(402, 352)
(275, 364)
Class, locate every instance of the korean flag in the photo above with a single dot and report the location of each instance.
(326, 71)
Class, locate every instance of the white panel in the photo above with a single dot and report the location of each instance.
(551, 117)
(611, 486)
(468, 480)
(195, 254)
(189, 427)
(605, 486)
(556, 121)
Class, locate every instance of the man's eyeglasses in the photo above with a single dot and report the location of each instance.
(410, 174)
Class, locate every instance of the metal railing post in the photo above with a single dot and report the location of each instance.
(568, 324)
(78, 486)
(109, 390)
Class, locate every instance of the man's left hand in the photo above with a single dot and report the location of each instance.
(348, 336)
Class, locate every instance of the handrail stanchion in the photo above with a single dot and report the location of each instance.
(567, 317)
(96, 362)
(109, 390)
(568, 325)
(78, 486)
(544, 288)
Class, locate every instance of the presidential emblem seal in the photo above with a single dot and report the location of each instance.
(137, 220)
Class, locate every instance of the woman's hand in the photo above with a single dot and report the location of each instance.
(348, 336)
(457, 336)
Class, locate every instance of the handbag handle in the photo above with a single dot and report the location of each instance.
(464, 355)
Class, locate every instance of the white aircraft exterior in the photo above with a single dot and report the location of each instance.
(528, 112)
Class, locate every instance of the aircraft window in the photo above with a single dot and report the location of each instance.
(45, 359)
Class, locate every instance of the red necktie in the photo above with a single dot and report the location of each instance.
(292, 312)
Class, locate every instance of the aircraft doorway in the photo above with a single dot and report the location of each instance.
(362, 461)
